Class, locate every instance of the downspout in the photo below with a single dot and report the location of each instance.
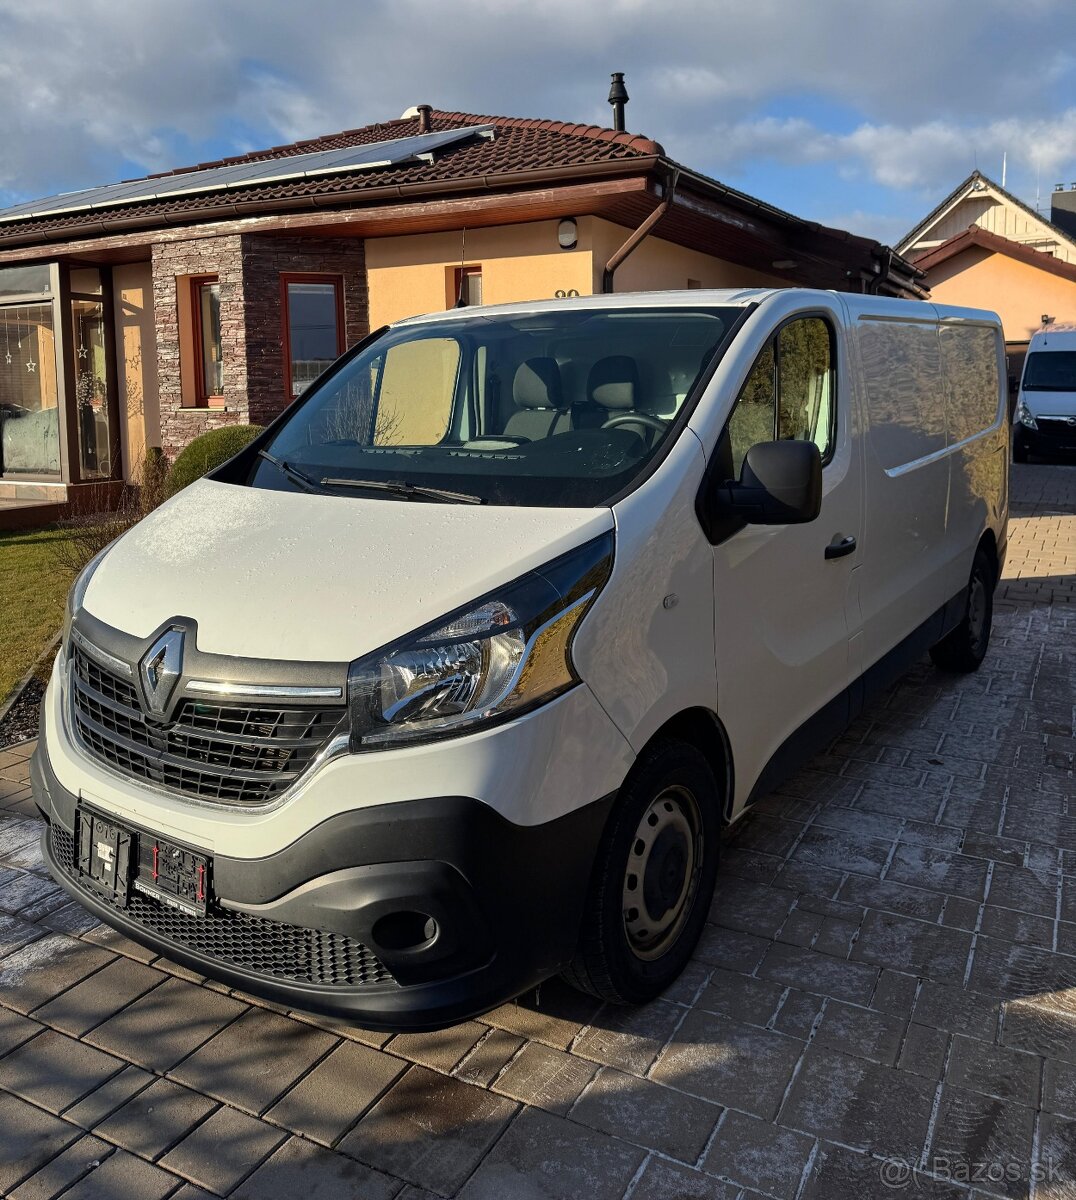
(884, 268)
(639, 234)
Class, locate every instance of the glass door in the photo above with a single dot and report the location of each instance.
(29, 408)
(95, 433)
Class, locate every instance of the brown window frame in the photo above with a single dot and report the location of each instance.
(457, 277)
(203, 398)
(287, 277)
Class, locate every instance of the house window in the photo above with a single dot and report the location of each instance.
(313, 327)
(208, 353)
(467, 287)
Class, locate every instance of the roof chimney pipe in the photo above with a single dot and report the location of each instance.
(425, 118)
(618, 97)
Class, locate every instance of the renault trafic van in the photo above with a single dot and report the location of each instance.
(450, 680)
(1044, 421)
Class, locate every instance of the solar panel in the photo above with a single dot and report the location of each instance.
(236, 175)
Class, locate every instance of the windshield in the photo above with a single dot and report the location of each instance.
(554, 408)
(1050, 371)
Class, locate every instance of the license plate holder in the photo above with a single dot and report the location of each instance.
(115, 860)
(105, 854)
(173, 874)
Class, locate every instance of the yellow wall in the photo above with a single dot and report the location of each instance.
(136, 350)
(414, 274)
(657, 265)
(1018, 292)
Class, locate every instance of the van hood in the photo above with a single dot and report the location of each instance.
(1047, 404)
(308, 578)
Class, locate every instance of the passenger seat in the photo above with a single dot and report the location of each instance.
(539, 395)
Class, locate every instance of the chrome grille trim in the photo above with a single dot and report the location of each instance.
(225, 752)
(102, 656)
(275, 691)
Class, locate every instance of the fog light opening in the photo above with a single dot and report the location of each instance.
(404, 930)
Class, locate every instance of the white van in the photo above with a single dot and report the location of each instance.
(450, 680)
(1044, 421)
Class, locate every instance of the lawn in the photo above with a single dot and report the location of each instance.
(33, 588)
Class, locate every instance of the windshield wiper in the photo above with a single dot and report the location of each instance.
(306, 482)
(410, 490)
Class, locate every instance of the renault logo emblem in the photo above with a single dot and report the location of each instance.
(161, 668)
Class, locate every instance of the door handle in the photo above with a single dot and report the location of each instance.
(840, 546)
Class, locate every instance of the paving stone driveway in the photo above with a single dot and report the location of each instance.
(883, 1004)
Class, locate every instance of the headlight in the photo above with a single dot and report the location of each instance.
(500, 656)
(76, 595)
(1025, 417)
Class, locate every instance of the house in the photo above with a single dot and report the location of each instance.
(141, 314)
(985, 248)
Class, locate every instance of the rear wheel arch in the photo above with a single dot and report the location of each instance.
(988, 543)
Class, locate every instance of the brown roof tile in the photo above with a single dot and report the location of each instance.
(519, 145)
(561, 152)
(974, 236)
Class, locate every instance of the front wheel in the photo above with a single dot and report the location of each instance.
(653, 878)
(964, 649)
(1019, 449)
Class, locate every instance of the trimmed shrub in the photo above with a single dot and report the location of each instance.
(207, 452)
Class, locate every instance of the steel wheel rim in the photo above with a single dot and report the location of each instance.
(664, 862)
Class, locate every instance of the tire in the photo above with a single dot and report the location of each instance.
(666, 824)
(964, 649)
(1019, 450)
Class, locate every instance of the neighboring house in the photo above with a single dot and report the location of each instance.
(141, 314)
(984, 248)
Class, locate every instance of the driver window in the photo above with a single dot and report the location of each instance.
(789, 393)
(754, 417)
(804, 382)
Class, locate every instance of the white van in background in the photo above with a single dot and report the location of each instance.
(449, 681)
(1044, 422)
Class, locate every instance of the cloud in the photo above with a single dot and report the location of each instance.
(920, 159)
(126, 86)
(883, 227)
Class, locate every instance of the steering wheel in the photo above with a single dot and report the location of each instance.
(637, 418)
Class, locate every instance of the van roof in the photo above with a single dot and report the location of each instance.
(859, 305)
(1057, 338)
(626, 300)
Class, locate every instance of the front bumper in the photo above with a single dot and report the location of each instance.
(1054, 437)
(316, 925)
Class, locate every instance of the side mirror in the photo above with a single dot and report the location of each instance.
(780, 484)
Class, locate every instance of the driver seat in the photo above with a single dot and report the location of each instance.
(614, 389)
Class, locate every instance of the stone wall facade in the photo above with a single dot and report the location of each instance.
(249, 268)
(265, 259)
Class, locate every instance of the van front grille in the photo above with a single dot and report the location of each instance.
(270, 948)
(1058, 428)
(228, 753)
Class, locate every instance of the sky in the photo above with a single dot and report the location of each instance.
(862, 114)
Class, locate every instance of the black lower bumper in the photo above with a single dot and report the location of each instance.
(412, 915)
(1045, 443)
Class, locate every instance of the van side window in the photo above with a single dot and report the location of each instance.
(754, 417)
(805, 383)
(789, 393)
